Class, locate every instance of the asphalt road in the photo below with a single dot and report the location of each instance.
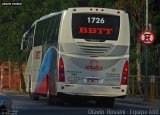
(23, 105)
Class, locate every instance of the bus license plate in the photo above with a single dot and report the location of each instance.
(92, 81)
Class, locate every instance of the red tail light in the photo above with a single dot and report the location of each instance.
(125, 74)
(61, 70)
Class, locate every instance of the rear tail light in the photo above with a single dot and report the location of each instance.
(61, 71)
(125, 74)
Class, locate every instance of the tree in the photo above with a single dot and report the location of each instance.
(135, 8)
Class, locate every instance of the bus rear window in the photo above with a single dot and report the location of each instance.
(95, 26)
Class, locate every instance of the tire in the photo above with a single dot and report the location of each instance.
(34, 96)
(54, 100)
(58, 101)
(49, 99)
(105, 102)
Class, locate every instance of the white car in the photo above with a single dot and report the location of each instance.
(5, 102)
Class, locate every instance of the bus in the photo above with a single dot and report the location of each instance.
(79, 54)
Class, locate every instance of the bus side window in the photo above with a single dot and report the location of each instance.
(38, 35)
(49, 27)
(46, 25)
(47, 30)
(30, 38)
(24, 42)
(27, 39)
(54, 29)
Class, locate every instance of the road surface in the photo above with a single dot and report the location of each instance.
(23, 105)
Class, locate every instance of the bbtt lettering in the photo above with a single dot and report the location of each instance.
(85, 30)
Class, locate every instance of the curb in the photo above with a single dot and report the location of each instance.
(139, 101)
(14, 92)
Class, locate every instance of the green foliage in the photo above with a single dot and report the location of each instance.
(15, 20)
(132, 63)
(136, 10)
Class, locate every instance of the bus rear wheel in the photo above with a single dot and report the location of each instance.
(50, 99)
(54, 100)
(34, 96)
(105, 102)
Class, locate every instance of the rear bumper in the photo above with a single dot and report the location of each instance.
(91, 90)
(69, 97)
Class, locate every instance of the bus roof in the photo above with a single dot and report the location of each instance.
(46, 16)
(81, 8)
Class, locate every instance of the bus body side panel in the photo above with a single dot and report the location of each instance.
(47, 74)
(35, 66)
(28, 72)
(44, 59)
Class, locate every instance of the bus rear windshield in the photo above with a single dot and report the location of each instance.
(95, 26)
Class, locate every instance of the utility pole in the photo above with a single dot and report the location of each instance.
(146, 59)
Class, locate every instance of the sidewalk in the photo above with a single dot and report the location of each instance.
(137, 100)
(13, 92)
